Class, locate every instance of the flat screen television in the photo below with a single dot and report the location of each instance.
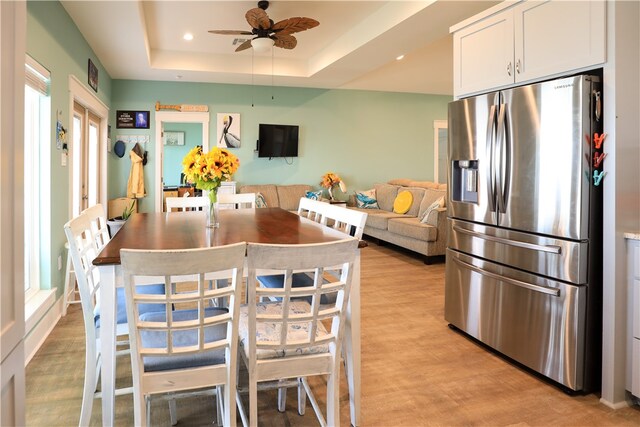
(278, 141)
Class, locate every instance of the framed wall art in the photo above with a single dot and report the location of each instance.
(93, 75)
(228, 130)
(173, 138)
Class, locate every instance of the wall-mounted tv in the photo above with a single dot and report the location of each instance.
(278, 141)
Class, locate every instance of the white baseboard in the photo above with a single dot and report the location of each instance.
(616, 405)
(50, 313)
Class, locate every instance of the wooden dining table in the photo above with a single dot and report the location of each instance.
(185, 230)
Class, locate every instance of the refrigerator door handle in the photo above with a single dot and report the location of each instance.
(542, 248)
(491, 179)
(501, 162)
(537, 288)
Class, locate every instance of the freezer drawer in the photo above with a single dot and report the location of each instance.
(533, 320)
(560, 259)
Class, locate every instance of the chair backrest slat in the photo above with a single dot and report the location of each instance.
(348, 221)
(174, 266)
(296, 322)
(237, 201)
(187, 203)
(311, 209)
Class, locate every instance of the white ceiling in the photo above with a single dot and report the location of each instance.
(354, 47)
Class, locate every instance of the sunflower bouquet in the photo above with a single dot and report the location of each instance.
(330, 180)
(208, 170)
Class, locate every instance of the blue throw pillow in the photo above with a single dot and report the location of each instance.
(260, 202)
(367, 199)
(314, 195)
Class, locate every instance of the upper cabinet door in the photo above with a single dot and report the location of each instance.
(483, 55)
(554, 37)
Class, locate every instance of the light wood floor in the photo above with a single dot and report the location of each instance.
(415, 370)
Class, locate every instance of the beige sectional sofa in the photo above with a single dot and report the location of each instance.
(279, 196)
(406, 230)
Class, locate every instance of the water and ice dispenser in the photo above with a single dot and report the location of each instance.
(464, 187)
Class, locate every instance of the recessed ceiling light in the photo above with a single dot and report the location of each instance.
(188, 36)
(178, 76)
(398, 58)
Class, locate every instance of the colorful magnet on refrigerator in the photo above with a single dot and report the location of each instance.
(597, 177)
(598, 158)
(598, 139)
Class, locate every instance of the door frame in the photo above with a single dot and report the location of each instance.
(437, 125)
(162, 117)
(80, 94)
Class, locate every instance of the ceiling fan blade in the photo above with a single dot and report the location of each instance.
(294, 25)
(244, 46)
(285, 41)
(231, 32)
(258, 18)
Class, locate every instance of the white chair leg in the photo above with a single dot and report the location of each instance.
(253, 403)
(147, 412)
(90, 384)
(302, 398)
(333, 397)
(67, 283)
(282, 398)
(173, 412)
(219, 405)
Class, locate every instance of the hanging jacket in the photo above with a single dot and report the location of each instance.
(135, 187)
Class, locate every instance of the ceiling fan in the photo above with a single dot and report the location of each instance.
(264, 29)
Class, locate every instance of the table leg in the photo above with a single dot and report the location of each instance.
(108, 341)
(352, 344)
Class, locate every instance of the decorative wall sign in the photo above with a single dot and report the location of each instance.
(132, 119)
(93, 75)
(173, 137)
(228, 130)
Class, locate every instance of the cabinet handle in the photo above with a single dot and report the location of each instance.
(509, 68)
(518, 66)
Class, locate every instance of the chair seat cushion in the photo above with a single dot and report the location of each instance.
(121, 312)
(271, 332)
(153, 339)
(298, 280)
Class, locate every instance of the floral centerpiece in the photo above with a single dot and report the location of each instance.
(207, 171)
(330, 180)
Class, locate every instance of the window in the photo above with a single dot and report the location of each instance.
(440, 135)
(36, 148)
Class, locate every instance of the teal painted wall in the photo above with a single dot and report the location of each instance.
(55, 42)
(364, 136)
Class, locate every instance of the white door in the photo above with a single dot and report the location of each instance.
(86, 159)
(13, 22)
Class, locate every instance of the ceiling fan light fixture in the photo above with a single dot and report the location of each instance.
(262, 44)
(188, 36)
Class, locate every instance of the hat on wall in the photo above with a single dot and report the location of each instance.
(119, 148)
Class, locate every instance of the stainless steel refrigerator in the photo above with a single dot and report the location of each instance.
(523, 268)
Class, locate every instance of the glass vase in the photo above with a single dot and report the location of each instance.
(213, 220)
(330, 191)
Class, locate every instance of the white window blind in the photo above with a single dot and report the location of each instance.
(36, 76)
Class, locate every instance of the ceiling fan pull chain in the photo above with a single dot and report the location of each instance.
(272, 74)
(253, 88)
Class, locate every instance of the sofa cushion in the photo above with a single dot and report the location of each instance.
(404, 182)
(268, 191)
(412, 227)
(290, 195)
(430, 196)
(386, 194)
(366, 199)
(378, 218)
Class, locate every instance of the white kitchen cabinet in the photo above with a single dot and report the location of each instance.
(633, 310)
(521, 42)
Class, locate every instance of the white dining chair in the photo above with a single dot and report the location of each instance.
(87, 234)
(349, 221)
(191, 348)
(311, 209)
(187, 203)
(237, 201)
(287, 338)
